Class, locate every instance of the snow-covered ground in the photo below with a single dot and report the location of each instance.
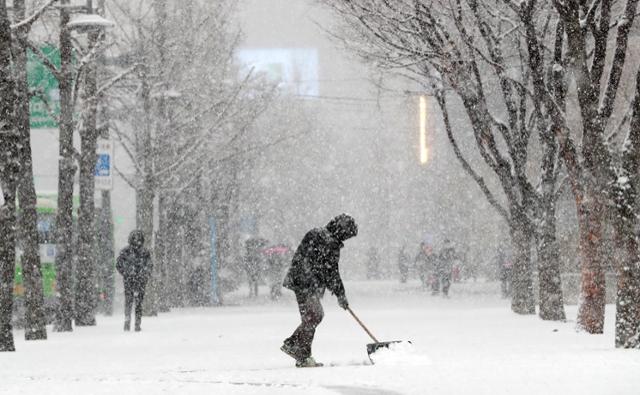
(468, 344)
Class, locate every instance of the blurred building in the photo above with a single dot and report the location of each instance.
(366, 147)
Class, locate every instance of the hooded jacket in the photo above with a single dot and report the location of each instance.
(314, 266)
(134, 262)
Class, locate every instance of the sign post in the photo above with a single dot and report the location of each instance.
(215, 299)
(104, 165)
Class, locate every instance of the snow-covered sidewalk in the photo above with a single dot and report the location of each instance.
(468, 344)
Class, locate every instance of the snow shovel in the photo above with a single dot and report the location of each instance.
(372, 347)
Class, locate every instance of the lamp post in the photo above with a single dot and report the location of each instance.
(66, 172)
(85, 280)
(424, 150)
(67, 169)
(157, 295)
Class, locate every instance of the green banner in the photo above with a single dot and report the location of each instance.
(44, 85)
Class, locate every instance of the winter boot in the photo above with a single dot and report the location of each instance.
(127, 325)
(290, 351)
(308, 362)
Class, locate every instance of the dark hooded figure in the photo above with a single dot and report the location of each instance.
(134, 264)
(314, 268)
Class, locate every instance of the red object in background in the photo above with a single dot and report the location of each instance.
(276, 250)
(455, 273)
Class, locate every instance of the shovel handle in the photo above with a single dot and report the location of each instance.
(362, 325)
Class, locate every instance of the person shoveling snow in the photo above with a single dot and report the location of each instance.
(314, 268)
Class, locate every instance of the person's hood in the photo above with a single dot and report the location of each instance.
(136, 239)
(342, 227)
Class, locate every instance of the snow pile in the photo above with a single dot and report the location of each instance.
(401, 353)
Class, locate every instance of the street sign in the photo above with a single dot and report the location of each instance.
(104, 165)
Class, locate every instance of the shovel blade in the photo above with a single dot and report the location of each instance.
(373, 347)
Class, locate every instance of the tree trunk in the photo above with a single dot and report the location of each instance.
(35, 321)
(144, 202)
(161, 254)
(9, 171)
(628, 274)
(592, 292)
(549, 281)
(66, 172)
(522, 301)
(625, 223)
(7, 238)
(86, 292)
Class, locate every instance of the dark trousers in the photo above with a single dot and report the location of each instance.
(311, 314)
(443, 279)
(132, 294)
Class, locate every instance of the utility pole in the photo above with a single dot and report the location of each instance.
(86, 292)
(107, 257)
(66, 173)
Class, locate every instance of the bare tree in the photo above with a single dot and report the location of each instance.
(184, 107)
(597, 62)
(35, 321)
(475, 50)
(9, 173)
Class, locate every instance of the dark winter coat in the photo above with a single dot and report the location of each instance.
(134, 264)
(314, 266)
(445, 260)
(425, 262)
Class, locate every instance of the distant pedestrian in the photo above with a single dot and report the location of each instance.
(373, 264)
(314, 269)
(277, 257)
(403, 265)
(254, 263)
(135, 266)
(425, 263)
(444, 268)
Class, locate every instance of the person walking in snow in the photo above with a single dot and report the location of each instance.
(135, 266)
(403, 265)
(444, 268)
(254, 263)
(425, 263)
(373, 264)
(314, 268)
(277, 257)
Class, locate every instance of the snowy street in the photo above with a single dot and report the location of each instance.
(468, 344)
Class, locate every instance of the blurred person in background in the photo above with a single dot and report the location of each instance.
(444, 268)
(403, 265)
(425, 263)
(277, 258)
